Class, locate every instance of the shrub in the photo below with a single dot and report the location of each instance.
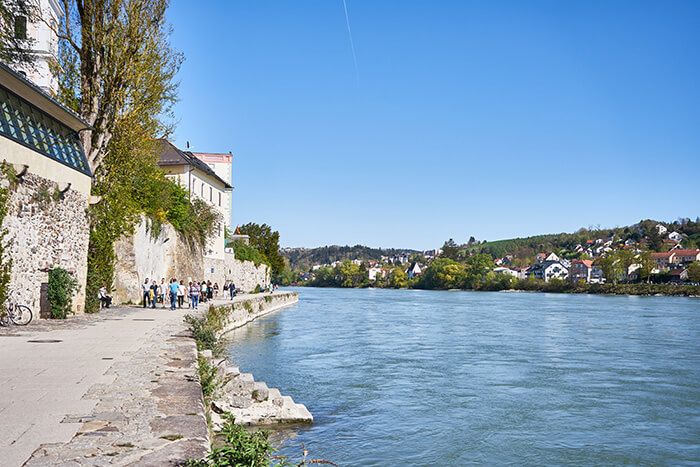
(205, 334)
(241, 448)
(244, 252)
(62, 286)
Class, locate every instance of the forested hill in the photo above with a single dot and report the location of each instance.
(564, 244)
(301, 259)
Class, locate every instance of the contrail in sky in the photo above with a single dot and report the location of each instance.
(352, 45)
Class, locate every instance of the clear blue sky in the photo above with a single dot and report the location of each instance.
(492, 119)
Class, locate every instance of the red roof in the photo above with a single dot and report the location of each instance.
(587, 262)
(663, 255)
(681, 252)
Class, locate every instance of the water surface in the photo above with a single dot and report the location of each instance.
(430, 378)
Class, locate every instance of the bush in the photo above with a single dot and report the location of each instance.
(244, 252)
(62, 286)
(204, 332)
(241, 448)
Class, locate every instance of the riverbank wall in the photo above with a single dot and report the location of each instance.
(245, 308)
(251, 402)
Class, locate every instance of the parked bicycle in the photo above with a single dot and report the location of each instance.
(20, 315)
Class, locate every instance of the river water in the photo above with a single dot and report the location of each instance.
(433, 378)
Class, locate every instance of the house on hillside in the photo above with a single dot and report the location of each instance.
(584, 270)
(201, 181)
(547, 270)
(683, 257)
(552, 257)
(414, 270)
(663, 260)
(508, 271)
(521, 273)
(675, 236)
(661, 229)
(677, 276)
(376, 272)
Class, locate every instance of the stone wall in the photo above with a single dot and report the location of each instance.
(169, 255)
(45, 230)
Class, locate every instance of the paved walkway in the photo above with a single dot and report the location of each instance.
(117, 387)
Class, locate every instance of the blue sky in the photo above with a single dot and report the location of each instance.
(491, 119)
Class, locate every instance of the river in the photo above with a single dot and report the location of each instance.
(437, 378)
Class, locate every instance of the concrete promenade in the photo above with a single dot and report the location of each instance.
(118, 387)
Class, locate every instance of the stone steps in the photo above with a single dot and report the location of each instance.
(254, 403)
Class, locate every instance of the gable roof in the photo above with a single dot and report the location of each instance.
(171, 155)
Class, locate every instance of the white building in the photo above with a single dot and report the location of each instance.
(502, 270)
(202, 182)
(221, 164)
(548, 270)
(43, 43)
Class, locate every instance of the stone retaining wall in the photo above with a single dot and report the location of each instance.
(143, 255)
(45, 229)
(245, 309)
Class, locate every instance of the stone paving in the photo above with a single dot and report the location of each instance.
(117, 388)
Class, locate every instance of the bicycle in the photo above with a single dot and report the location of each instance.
(21, 315)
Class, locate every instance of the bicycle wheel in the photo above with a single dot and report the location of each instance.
(21, 315)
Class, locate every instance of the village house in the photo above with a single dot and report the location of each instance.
(375, 273)
(547, 270)
(682, 257)
(504, 270)
(663, 260)
(414, 270)
(584, 270)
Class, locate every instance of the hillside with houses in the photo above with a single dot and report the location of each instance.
(648, 252)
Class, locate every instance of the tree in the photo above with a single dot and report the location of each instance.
(398, 278)
(611, 267)
(116, 68)
(450, 250)
(443, 273)
(694, 272)
(476, 268)
(266, 241)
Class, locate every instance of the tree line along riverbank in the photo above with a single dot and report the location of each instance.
(445, 274)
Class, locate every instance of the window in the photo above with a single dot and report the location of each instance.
(20, 27)
(219, 199)
(211, 194)
(29, 126)
(202, 190)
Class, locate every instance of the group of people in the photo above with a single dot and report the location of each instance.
(175, 292)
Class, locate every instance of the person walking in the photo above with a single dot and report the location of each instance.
(232, 289)
(145, 292)
(173, 293)
(194, 294)
(216, 289)
(154, 293)
(210, 291)
(162, 291)
(181, 289)
(203, 291)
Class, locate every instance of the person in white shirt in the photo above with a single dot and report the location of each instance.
(146, 292)
(181, 292)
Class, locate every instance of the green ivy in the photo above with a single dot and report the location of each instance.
(62, 286)
(5, 259)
